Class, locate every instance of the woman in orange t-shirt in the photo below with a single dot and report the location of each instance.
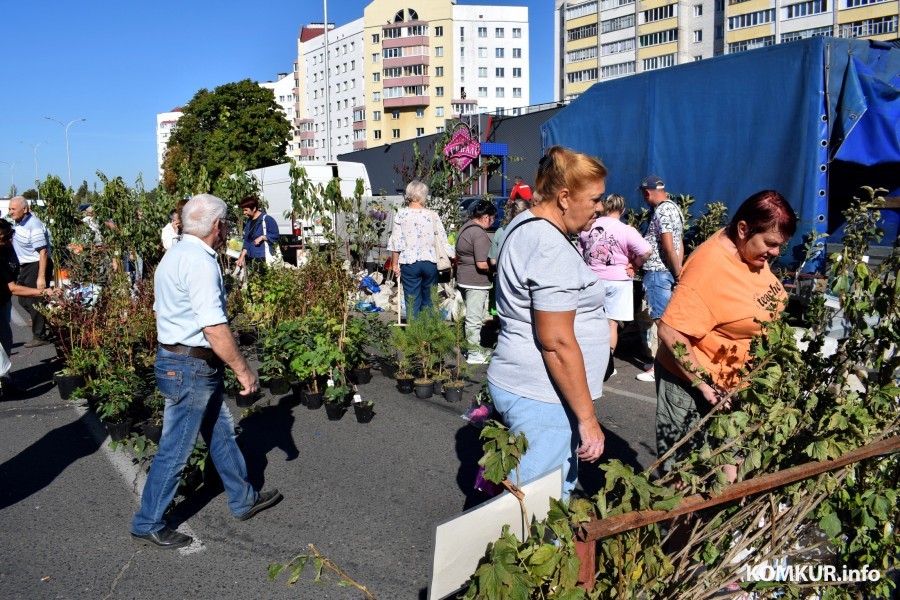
(725, 285)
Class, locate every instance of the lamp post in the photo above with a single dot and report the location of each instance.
(12, 171)
(37, 180)
(68, 164)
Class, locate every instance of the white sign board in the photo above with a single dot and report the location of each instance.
(460, 542)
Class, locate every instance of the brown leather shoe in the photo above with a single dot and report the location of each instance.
(35, 343)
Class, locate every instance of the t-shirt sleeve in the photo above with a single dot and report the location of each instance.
(38, 238)
(203, 282)
(637, 245)
(669, 216)
(688, 313)
(396, 242)
(552, 276)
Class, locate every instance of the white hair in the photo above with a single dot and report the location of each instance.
(23, 199)
(200, 213)
(416, 191)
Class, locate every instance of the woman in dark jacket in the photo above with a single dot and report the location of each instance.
(261, 229)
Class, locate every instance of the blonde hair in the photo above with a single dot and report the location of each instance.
(564, 168)
(614, 203)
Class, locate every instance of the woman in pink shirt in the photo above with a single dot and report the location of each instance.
(614, 250)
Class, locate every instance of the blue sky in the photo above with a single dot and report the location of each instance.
(118, 64)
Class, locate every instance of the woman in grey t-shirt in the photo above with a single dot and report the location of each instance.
(554, 336)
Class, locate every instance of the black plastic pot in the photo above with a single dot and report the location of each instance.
(405, 385)
(68, 384)
(361, 375)
(245, 400)
(334, 410)
(313, 399)
(388, 369)
(425, 389)
(247, 337)
(279, 386)
(438, 385)
(118, 431)
(152, 432)
(364, 411)
(453, 393)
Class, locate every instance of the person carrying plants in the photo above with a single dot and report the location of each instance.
(194, 342)
(260, 234)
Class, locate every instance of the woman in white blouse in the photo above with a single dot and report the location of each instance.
(412, 246)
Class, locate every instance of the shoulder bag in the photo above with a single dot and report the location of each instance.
(440, 249)
(273, 254)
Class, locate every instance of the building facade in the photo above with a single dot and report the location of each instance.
(164, 124)
(283, 90)
(604, 39)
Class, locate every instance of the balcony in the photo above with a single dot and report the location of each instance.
(407, 101)
(405, 81)
(359, 144)
(311, 152)
(406, 61)
(357, 125)
(298, 122)
(306, 135)
(403, 42)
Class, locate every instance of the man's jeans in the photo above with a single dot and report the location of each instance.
(658, 287)
(194, 405)
(476, 304)
(551, 431)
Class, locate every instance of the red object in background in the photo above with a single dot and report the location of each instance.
(389, 263)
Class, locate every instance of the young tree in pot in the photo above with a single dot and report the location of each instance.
(115, 391)
(402, 344)
(275, 355)
(335, 396)
(319, 360)
(356, 335)
(453, 389)
(79, 363)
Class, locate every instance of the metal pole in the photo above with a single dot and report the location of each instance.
(327, 90)
(68, 163)
(37, 180)
(12, 171)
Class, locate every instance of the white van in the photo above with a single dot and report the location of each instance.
(275, 185)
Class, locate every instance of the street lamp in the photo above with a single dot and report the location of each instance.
(68, 165)
(12, 171)
(37, 180)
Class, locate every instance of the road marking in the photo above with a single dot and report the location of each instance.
(133, 475)
(627, 394)
(17, 318)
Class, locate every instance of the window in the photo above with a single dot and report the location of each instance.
(377, 134)
(869, 27)
(658, 14)
(855, 3)
(696, 58)
(352, 65)
(498, 72)
(439, 111)
(719, 32)
(376, 96)
(439, 90)
(498, 52)
(581, 10)
(813, 7)
(438, 31)
(395, 133)
(579, 76)
(616, 24)
(579, 33)
(482, 32)
(395, 114)
(517, 32)
(720, 5)
(376, 115)
(482, 71)
(438, 50)
(517, 92)
(462, 73)
(698, 10)
(517, 72)
(420, 113)
(392, 33)
(482, 92)
(617, 47)
(759, 17)
(517, 53)
(376, 57)
(617, 70)
(482, 52)
(420, 131)
(462, 51)
(499, 92)
(439, 71)
(761, 42)
(462, 34)
(660, 37)
(393, 72)
(698, 36)
(659, 62)
(806, 33)
(583, 54)
(439, 130)
(498, 32)
(392, 52)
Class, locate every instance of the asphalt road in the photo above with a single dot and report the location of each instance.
(367, 495)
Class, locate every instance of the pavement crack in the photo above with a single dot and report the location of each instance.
(119, 576)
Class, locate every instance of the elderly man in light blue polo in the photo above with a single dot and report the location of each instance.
(194, 341)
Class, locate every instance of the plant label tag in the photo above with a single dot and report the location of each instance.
(357, 399)
(331, 383)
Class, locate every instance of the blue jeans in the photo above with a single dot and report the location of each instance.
(551, 431)
(658, 286)
(194, 405)
(418, 278)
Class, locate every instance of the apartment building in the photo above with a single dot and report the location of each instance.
(164, 124)
(605, 39)
(283, 90)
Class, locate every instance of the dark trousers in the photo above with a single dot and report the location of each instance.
(28, 277)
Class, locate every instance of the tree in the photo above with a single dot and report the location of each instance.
(30, 194)
(13, 191)
(236, 123)
(83, 193)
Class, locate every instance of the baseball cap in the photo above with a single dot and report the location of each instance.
(652, 182)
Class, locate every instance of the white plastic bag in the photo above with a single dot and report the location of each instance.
(5, 365)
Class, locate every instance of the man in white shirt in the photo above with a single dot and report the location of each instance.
(31, 242)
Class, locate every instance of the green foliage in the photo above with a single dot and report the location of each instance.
(714, 218)
(59, 213)
(425, 340)
(116, 390)
(318, 208)
(236, 124)
(502, 451)
(362, 231)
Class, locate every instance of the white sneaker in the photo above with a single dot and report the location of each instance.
(476, 358)
(647, 375)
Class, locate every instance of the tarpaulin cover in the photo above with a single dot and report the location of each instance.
(724, 128)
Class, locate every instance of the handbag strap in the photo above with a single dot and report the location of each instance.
(532, 220)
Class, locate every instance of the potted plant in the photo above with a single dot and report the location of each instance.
(274, 356)
(71, 377)
(321, 359)
(115, 392)
(334, 400)
(356, 359)
(453, 389)
(364, 410)
(155, 403)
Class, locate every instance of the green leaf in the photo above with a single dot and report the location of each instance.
(831, 525)
(668, 503)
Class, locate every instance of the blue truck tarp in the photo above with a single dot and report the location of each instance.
(791, 117)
